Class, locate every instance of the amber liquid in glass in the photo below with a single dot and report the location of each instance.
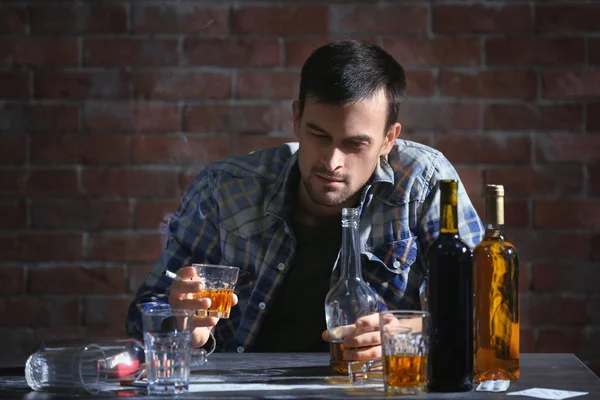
(220, 302)
(404, 370)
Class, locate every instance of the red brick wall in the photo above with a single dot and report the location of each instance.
(107, 110)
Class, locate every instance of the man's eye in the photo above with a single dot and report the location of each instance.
(318, 135)
(358, 145)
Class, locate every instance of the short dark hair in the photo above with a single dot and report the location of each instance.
(345, 71)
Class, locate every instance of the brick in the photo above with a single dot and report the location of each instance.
(546, 244)
(569, 83)
(524, 281)
(527, 337)
(21, 118)
(559, 310)
(579, 148)
(560, 341)
(137, 275)
(17, 342)
(594, 50)
(472, 179)
(152, 213)
(387, 19)
(441, 117)
(485, 148)
(423, 138)
(567, 17)
(80, 149)
(595, 309)
(122, 52)
(12, 279)
(563, 117)
(105, 312)
(14, 216)
(189, 85)
(241, 52)
(71, 20)
(52, 182)
(592, 349)
(33, 311)
(13, 149)
(14, 85)
(125, 247)
(288, 20)
(76, 280)
(13, 19)
(566, 277)
(593, 117)
(594, 181)
(529, 50)
(180, 18)
(179, 149)
(80, 214)
(230, 118)
(434, 52)
(131, 117)
(12, 181)
(420, 83)
(41, 247)
(82, 85)
(566, 213)
(298, 50)
(516, 211)
(244, 144)
(38, 51)
(58, 333)
(546, 180)
(481, 18)
(260, 84)
(130, 182)
(489, 84)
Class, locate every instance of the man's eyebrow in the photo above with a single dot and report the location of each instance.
(316, 127)
(359, 138)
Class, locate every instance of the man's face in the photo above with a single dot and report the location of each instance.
(340, 147)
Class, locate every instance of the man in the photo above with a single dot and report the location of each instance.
(275, 213)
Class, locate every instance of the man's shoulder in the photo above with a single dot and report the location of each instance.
(414, 164)
(265, 163)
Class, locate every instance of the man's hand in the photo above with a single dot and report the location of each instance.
(361, 340)
(182, 297)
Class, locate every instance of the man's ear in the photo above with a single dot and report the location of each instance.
(296, 114)
(390, 138)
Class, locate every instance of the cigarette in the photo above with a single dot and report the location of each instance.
(171, 275)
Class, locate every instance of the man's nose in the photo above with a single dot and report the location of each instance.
(333, 159)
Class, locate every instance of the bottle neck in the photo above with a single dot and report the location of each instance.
(350, 252)
(494, 216)
(448, 219)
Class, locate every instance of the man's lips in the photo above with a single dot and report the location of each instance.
(329, 178)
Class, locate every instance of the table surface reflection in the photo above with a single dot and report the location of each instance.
(306, 376)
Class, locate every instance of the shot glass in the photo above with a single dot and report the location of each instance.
(405, 347)
(80, 369)
(217, 283)
(168, 349)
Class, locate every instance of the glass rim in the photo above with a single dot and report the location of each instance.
(169, 311)
(408, 313)
(196, 265)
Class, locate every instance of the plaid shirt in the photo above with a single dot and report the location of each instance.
(238, 211)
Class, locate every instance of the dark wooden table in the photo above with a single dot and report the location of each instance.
(277, 376)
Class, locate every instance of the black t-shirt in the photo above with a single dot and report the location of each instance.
(296, 318)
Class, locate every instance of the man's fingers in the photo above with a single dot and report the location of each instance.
(187, 272)
(207, 322)
(371, 320)
(196, 304)
(234, 300)
(363, 340)
(364, 353)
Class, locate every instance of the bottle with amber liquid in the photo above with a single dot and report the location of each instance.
(450, 301)
(496, 316)
(350, 298)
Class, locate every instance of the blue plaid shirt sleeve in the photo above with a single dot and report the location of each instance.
(192, 236)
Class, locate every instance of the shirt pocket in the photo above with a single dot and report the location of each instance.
(387, 270)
